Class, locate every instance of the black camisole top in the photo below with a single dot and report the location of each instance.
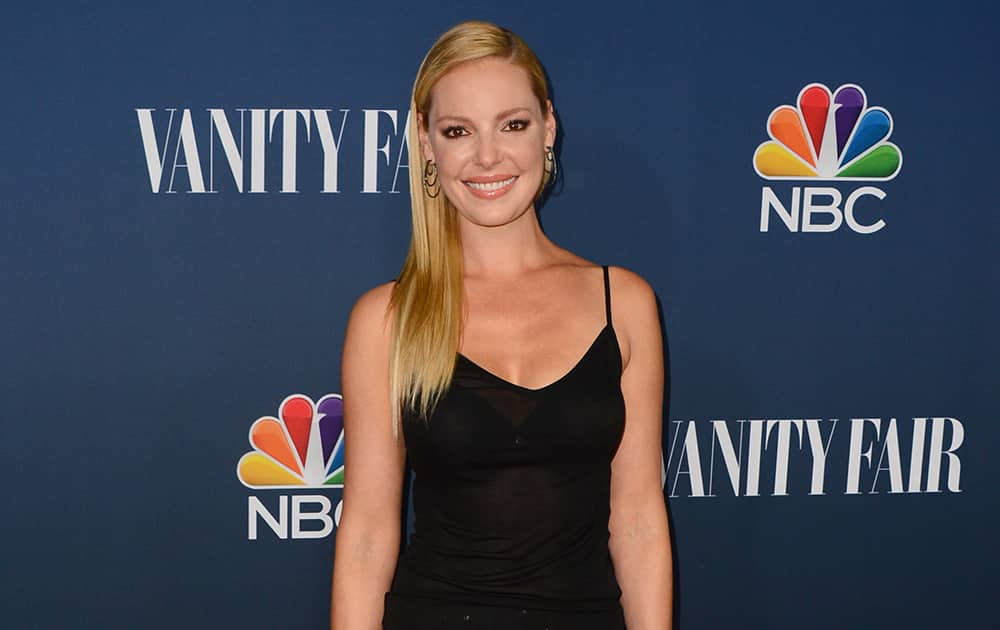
(512, 487)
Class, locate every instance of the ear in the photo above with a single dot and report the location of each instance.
(550, 124)
(425, 143)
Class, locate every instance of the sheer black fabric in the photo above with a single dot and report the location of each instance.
(511, 501)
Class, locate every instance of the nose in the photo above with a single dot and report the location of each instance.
(487, 151)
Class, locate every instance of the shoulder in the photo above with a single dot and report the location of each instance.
(374, 302)
(634, 310)
(369, 321)
(629, 290)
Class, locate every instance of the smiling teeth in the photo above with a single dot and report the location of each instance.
(491, 185)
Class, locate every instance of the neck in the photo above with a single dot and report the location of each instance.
(506, 251)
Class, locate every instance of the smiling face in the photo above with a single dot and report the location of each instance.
(487, 132)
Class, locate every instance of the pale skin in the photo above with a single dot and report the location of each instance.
(532, 309)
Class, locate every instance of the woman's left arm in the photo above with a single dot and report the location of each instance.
(640, 535)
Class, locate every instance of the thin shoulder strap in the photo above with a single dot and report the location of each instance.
(607, 294)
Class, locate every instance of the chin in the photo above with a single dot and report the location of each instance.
(487, 215)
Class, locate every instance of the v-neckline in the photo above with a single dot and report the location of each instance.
(543, 388)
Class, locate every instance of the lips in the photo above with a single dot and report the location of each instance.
(490, 187)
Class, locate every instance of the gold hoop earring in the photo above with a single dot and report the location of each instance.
(432, 187)
(551, 168)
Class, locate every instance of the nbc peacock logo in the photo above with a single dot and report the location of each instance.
(829, 136)
(301, 448)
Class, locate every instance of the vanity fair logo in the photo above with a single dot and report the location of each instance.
(217, 150)
(833, 137)
(752, 458)
(301, 448)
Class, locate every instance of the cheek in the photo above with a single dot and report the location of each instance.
(530, 155)
(530, 148)
(449, 157)
(449, 165)
(527, 156)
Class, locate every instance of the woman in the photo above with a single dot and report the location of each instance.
(524, 383)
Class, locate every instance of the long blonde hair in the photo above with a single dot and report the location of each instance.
(427, 297)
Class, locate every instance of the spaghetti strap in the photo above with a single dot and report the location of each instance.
(607, 294)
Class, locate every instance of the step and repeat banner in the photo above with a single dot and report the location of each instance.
(194, 195)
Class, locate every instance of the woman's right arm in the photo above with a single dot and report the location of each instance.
(368, 537)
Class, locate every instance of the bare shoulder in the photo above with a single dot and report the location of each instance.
(629, 290)
(373, 306)
(634, 310)
(369, 322)
(374, 301)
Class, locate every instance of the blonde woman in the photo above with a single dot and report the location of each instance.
(523, 382)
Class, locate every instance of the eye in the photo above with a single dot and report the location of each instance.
(454, 131)
(517, 124)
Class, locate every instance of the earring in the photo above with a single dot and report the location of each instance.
(432, 188)
(551, 168)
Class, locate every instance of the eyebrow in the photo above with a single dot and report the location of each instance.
(500, 116)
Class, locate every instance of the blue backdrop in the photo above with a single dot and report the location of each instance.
(146, 327)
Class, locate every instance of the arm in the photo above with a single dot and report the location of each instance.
(640, 536)
(367, 542)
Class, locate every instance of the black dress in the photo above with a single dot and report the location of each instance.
(511, 502)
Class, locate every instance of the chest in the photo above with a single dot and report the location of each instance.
(484, 422)
(532, 334)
